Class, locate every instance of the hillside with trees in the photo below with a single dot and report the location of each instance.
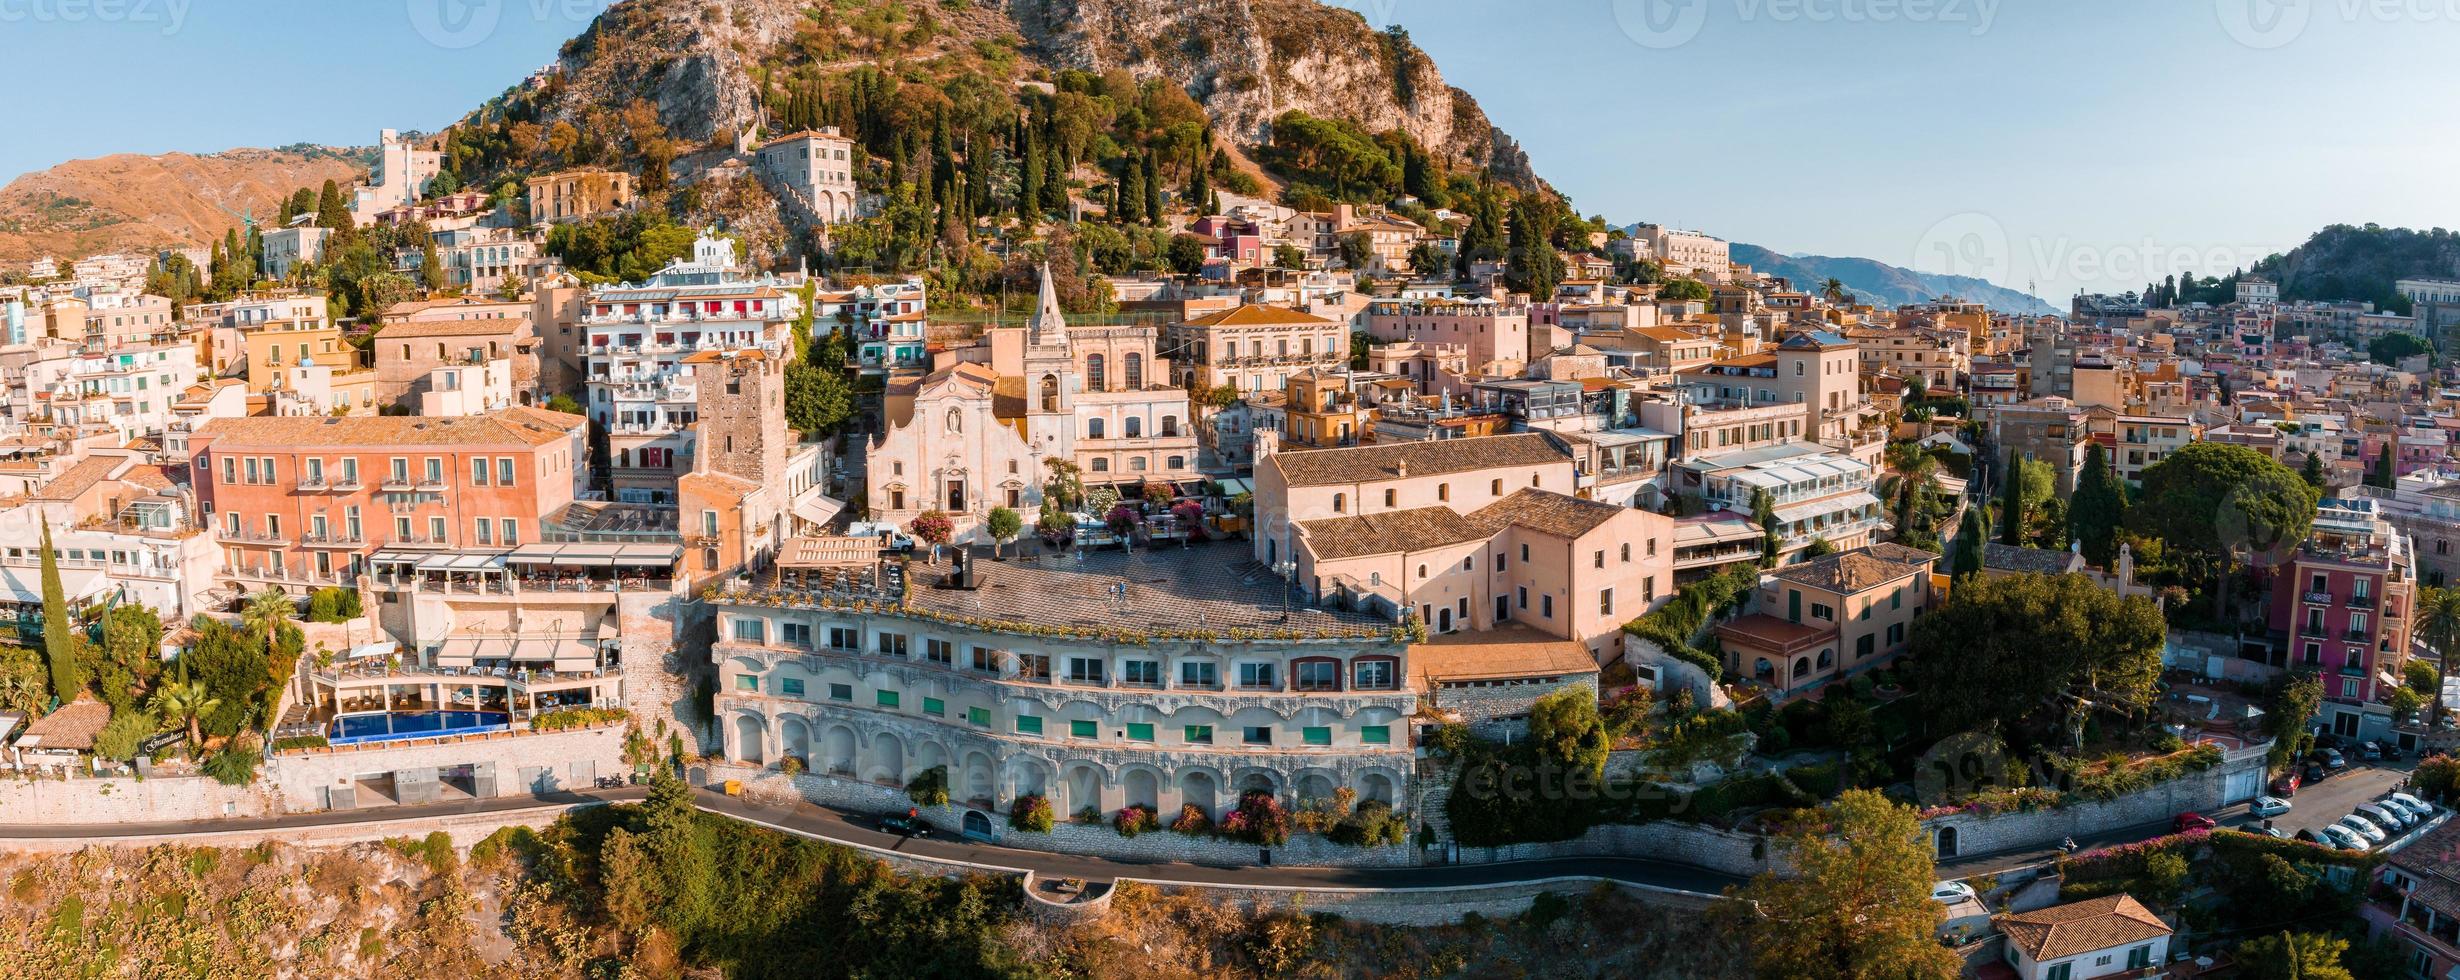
(2341, 262)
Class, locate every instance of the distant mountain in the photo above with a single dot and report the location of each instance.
(138, 203)
(1886, 285)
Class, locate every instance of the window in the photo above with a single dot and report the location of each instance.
(1443, 491)
(1199, 673)
(1084, 670)
(940, 652)
(791, 686)
(934, 707)
(1315, 736)
(1317, 675)
(1372, 675)
(747, 682)
(2063, 971)
(1199, 734)
(1524, 554)
(752, 630)
(1259, 735)
(1029, 724)
(1340, 501)
(1495, 488)
(478, 471)
(986, 659)
(841, 692)
(978, 716)
(1598, 560)
(1627, 552)
(795, 634)
(1139, 732)
(1389, 497)
(2140, 957)
(1256, 676)
(1142, 673)
(1822, 611)
(1375, 734)
(845, 638)
(1864, 644)
(885, 699)
(1546, 606)
(504, 471)
(508, 531)
(892, 645)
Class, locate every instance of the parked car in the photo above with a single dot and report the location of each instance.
(2415, 805)
(2414, 814)
(2331, 759)
(2342, 837)
(1951, 892)
(904, 825)
(2391, 818)
(2315, 772)
(2311, 836)
(2191, 821)
(2370, 751)
(2267, 830)
(2362, 827)
(2269, 806)
(2286, 785)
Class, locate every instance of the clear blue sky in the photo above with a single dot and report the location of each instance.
(2078, 143)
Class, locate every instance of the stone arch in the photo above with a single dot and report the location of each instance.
(1376, 786)
(887, 758)
(1028, 777)
(928, 755)
(1802, 668)
(1250, 780)
(1316, 784)
(1140, 787)
(1050, 393)
(794, 739)
(837, 750)
(981, 779)
(1094, 381)
(1084, 782)
(750, 737)
(1202, 789)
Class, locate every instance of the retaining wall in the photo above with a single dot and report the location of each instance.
(2201, 792)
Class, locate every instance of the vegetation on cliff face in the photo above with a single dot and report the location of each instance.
(2341, 262)
(660, 890)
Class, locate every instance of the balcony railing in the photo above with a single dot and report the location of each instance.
(332, 539)
(250, 536)
(394, 483)
(2361, 602)
(2319, 598)
(2356, 635)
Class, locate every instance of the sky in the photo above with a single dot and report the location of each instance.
(2067, 144)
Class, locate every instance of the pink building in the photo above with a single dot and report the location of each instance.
(2342, 601)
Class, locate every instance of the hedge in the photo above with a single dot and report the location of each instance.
(1674, 625)
(562, 719)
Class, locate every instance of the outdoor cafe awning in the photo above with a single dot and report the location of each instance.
(597, 555)
(460, 563)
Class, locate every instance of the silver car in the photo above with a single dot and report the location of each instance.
(2388, 816)
(2362, 827)
(2412, 804)
(2341, 837)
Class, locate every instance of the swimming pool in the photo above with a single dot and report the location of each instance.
(388, 726)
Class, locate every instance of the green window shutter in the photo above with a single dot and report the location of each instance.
(1084, 729)
(1376, 734)
(934, 707)
(1139, 732)
(1199, 734)
(1316, 736)
(887, 699)
(1029, 724)
(978, 716)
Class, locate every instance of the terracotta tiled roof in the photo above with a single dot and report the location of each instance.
(2060, 931)
(1258, 315)
(522, 425)
(1361, 464)
(475, 326)
(1545, 510)
(1419, 529)
(1862, 568)
(2036, 561)
(72, 727)
(1508, 652)
(1764, 631)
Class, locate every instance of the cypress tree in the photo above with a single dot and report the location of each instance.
(1967, 558)
(1200, 176)
(1029, 179)
(2384, 475)
(431, 265)
(1153, 190)
(1764, 514)
(2098, 508)
(1054, 181)
(2312, 472)
(2011, 500)
(59, 634)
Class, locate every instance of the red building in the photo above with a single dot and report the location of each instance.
(2344, 601)
(304, 500)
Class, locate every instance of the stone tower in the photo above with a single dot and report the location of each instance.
(742, 424)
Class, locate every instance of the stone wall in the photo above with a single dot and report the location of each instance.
(1426, 906)
(1095, 840)
(297, 782)
(1499, 713)
(465, 830)
(1665, 840)
(2201, 792)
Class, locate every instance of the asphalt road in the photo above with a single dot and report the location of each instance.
(2320, 803)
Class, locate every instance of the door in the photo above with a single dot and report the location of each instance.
(1503, 608)
(1443, 620)
(2242, 786)
(956, 496)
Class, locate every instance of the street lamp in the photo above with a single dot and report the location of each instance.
(1285, 569)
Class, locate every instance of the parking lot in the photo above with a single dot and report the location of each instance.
(2320, 803)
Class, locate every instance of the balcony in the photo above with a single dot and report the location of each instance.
(2313, 629)
(2319, 598)
(396, 482)
(347, 484)
(248, 536)
(312, 484)
(2356, 635)
(431, 482)
(2361, 602)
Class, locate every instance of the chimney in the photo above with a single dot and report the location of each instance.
(1401, 469)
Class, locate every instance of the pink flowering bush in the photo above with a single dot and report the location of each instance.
(1031, 812)
(932, 528)
(1192, 821)
(1259, 819)
(1191, 516)
(1133, 820)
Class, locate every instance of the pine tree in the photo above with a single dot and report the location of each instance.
(2011, 501)
(59, 634)
(1054, 182)
(2312, 471)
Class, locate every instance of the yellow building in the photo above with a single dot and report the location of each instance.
(284, 344)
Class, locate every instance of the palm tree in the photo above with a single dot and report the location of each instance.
(21, 694)
(2438, 615)
(1834, 291)
(269, 610)
(185, 703)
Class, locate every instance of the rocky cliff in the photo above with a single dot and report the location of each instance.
(135, 202)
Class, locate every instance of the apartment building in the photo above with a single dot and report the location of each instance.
(889, 323)
(816, 166)
(1231, 686)
(1828, 619)
(408, 354)
(1818, 494)
(2050, 429)
(2343, 603)
(1701, 256)
(1497, 336)
(2139, 441)
(1253, 348)
(305, 500)
(287, 249)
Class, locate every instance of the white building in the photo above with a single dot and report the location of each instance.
(288, 248)
(2103, 937)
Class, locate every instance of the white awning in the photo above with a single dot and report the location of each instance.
(1832, 505)
(818, 508)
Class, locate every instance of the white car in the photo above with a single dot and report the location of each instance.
(1951, 892)
(2342, 837)
(2413, 805)
(2270, 806)
(2388, 816)
(2362, 827)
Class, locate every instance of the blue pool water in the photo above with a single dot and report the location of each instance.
(353, 729)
